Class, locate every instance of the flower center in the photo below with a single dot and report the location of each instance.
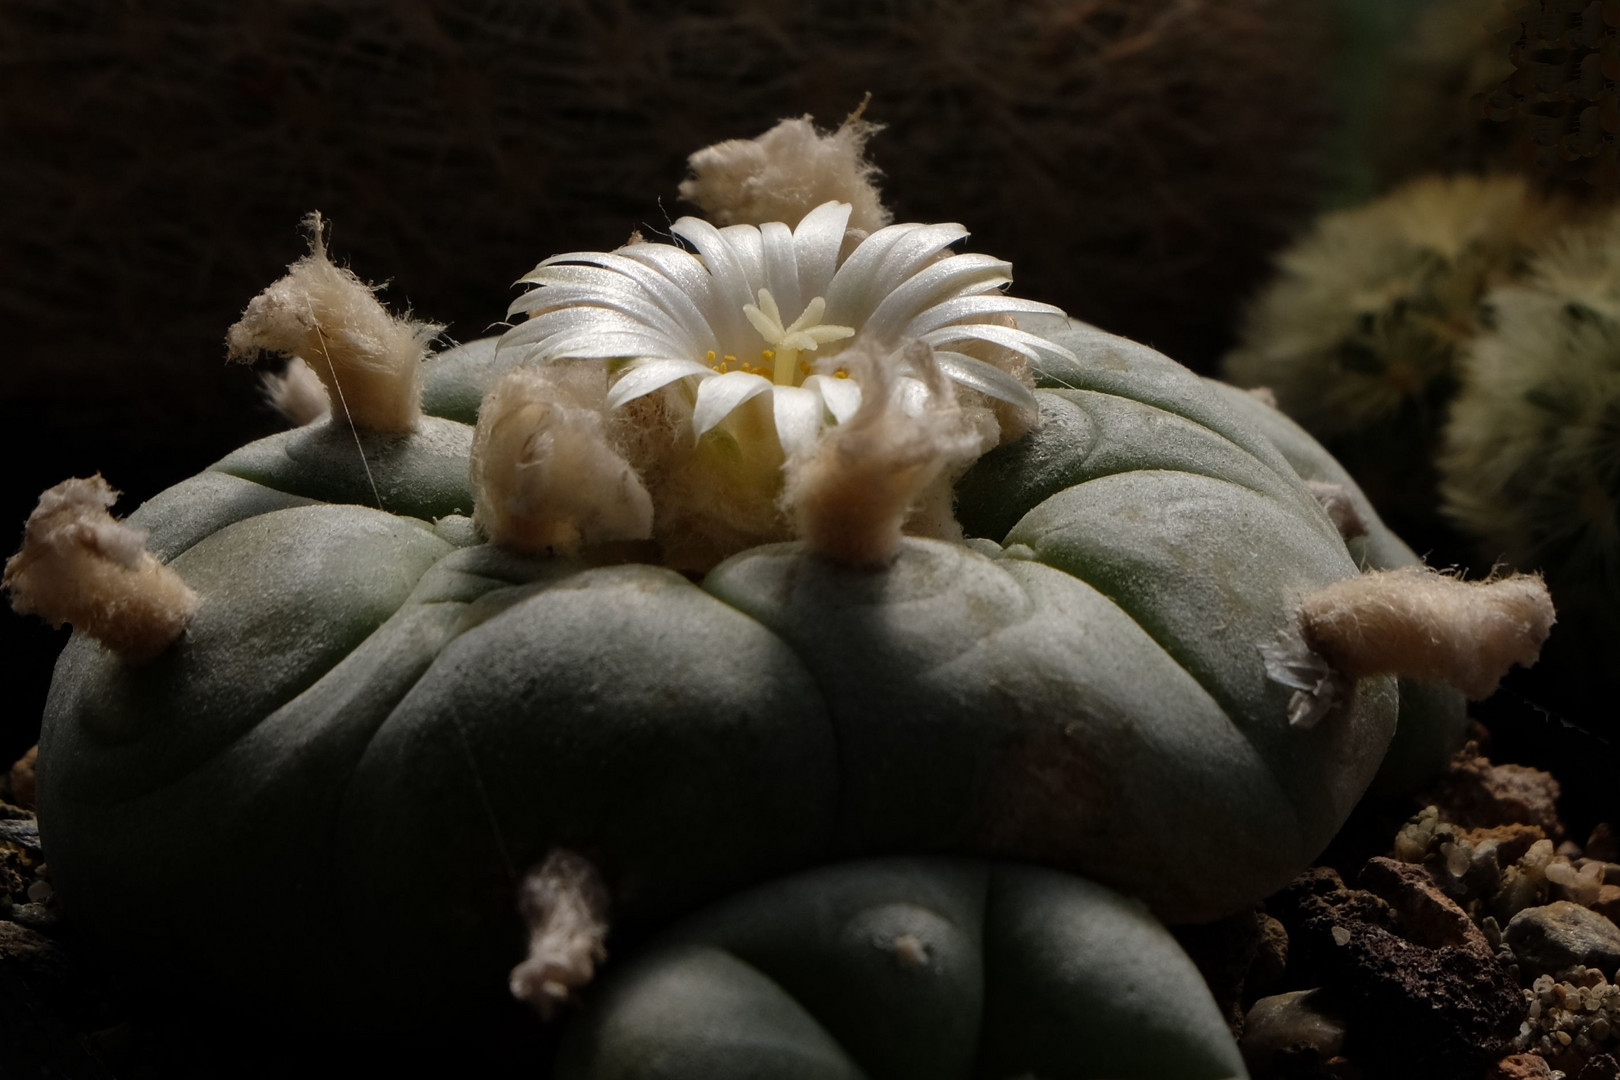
(783, 344)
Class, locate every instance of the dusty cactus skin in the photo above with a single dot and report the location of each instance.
(1433, 717)
(979, 969)
(375, 721)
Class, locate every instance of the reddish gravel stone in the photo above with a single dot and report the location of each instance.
(1475, 794)
(1521, 1067)
(1415, 1010)
(1427, 915)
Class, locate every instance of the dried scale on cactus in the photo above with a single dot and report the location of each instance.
(797, 542)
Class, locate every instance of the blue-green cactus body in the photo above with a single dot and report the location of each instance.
(325, 791)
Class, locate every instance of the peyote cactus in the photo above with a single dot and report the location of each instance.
(691, 580)
(1358, 335)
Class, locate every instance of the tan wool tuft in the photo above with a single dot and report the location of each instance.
(546, 473)
(1264, 395)
(79, 565)
(1340, 508)
(1417, 622)
(787, 172)
(297, 394)
(852, 494)
(369, 361)
(565, 903)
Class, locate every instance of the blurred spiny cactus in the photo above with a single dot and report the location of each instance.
(1358, 335)
(1531, 461)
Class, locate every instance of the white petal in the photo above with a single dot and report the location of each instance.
(673, 279)
(540, 336)
(964, 308)
(745, 243)
(781, 265)
(846, 293)
(588, 257)
(798, 416)
(914, 251)
(720, 394)
(556, 299)
(817, 241)
(1023, 342)
(572, 274)
(947, 279)
(860, 286)
(674, 265)
(843, 396)
(652, 375)
(595, 345)
(733, 289)
(986, 379)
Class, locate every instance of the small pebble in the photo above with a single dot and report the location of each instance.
(39, 892)
(1561, 935)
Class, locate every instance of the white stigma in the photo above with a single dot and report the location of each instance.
(806, 333)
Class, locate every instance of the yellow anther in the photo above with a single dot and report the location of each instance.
(841, 373)
(730, 359)
(768, 355)
(711, 356)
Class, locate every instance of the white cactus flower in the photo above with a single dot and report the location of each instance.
(746, 313)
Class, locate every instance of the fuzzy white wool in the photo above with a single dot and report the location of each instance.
(852, 493)
(297, 394)
(79, 565)
(546, 473)
(1420, 623)
(369, 361)
(564, 902)
(785, 173)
